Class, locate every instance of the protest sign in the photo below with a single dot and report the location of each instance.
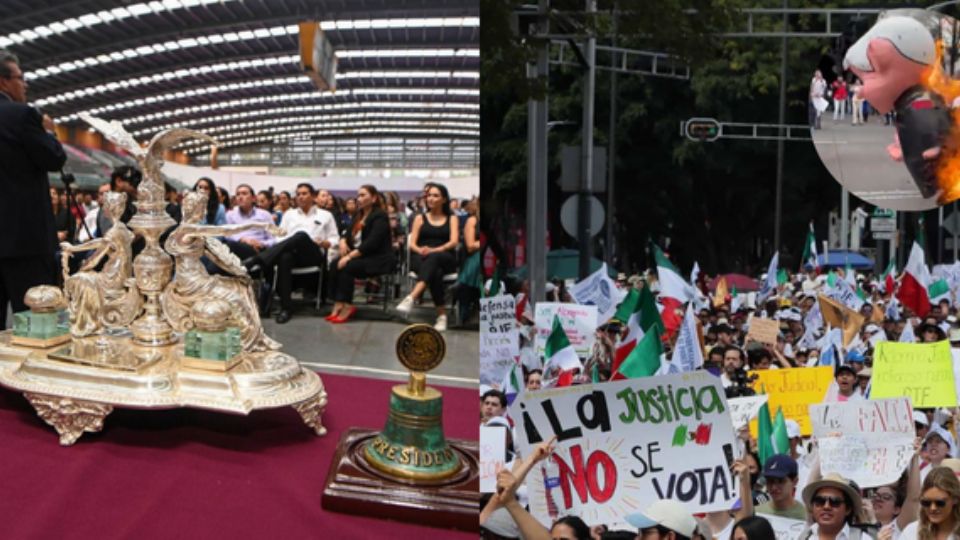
(844, 293)
(763, 330)
(922, 371)
(579, 323)
(785, 528)
(599, 290)
(623, 445)
(793, 390)
(493, 450)
(499, 338)
(869, 442)
(743, 409)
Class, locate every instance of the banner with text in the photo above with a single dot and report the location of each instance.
(499, 338)
(493, 451)
(743, 409)
(623, 445)
(579, 322)
(922, 371)
(869, 442)
(794, 390)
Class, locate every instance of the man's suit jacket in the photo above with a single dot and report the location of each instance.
(27, 153)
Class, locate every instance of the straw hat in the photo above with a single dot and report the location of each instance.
(838, 482)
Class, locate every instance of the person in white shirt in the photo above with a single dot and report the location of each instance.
(308, 232)
(834, 504)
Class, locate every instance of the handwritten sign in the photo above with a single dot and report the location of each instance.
(743, 409)
(579, 322)
(922, 371)
(764, 330)
(623, 445)
(869, 442)
(785, 528)
(493, 454)
(499, 338)
(793, 390)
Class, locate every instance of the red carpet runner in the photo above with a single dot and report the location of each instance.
(197, 474)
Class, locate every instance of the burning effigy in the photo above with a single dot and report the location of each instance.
(906, 63)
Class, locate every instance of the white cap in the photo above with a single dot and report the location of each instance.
(793, 429)
(920, 418)
(947, 437)
(666, 513)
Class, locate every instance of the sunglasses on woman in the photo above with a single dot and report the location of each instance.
(833, 502)
(927, 503)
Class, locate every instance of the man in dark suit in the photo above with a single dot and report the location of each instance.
(28, 150)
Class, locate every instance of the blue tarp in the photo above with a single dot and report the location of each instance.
(842, 259)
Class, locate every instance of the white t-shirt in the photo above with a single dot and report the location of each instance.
(910, 532)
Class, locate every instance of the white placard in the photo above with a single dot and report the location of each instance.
(742, 409)
(869, 442)
(623, 445)
(493, 455)
(499, 338)
(579, 322)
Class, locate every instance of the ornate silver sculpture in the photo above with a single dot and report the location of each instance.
(152, 267)
(190, 241)
(109, 297)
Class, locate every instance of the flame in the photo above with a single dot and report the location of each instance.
(936, 80)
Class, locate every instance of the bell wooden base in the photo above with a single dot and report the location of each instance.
(353, 487)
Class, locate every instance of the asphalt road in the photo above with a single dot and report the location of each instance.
(857, 157)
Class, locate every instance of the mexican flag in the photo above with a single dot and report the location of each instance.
(559, 352)
(764, 433)
(639, 311)
(913, 287)
(888, 277)
(672, 284)
(810, 250)
(779, 437)
(644, 359)
(512, 383)
(939, 290)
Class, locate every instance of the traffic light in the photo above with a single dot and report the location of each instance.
(703, 129)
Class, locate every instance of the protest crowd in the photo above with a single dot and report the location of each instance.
(819, 405)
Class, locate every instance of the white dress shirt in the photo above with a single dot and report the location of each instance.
(319, 224)
(844, 533)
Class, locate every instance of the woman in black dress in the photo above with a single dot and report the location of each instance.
(433, 243)
(365, 251)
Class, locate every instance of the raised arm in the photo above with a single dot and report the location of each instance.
(530, 528)
(742, 471)
(910, 511)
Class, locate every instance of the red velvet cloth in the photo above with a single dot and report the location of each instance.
(197, 474)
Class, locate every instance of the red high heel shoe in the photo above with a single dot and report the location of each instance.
(330, 317)
(345, 318)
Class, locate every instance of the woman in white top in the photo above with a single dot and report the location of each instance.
(939, 508)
